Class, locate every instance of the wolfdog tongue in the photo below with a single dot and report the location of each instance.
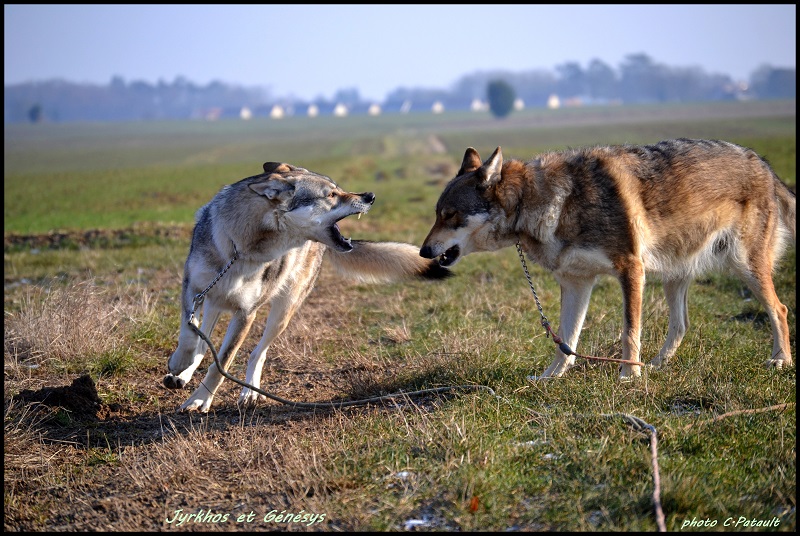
(339, 240)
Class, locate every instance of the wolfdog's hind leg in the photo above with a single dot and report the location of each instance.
(677, 294)
(756, 273)
(282, 308)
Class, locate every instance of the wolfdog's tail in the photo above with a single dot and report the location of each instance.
(383, 262)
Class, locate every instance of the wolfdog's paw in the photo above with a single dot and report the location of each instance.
(197, 403)
(552, 372)
(174, 382)
(779, 362)
(533, 378)
(250, 398)
(629, 373)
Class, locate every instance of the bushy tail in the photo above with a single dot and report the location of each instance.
(787, 203)
(384, 262)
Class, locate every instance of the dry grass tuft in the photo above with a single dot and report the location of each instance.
(62, 324)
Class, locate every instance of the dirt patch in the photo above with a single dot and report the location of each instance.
(80, 399)
(96, 238)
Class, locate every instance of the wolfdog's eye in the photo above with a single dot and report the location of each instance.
(448, 214)
(332, 195)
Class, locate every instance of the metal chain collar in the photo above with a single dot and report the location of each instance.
(199, 297)
(545, 323)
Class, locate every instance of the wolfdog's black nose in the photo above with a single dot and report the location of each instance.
(368, 197)
(426, 251)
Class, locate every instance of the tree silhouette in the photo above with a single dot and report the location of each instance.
(601, 80)
(501, 97)
(774, 83)
(35, 113)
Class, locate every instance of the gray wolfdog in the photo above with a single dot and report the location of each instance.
(676, 208)
(272, 231)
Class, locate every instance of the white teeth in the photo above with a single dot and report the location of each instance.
(359, 215)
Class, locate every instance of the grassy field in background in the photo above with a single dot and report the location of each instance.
(97, 220)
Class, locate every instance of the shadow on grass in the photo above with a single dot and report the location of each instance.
(74, 414)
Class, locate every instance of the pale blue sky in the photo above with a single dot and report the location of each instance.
(313, 50)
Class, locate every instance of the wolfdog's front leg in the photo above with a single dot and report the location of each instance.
(237, 332)
(632, 281)
(575, 294)
(191, 349)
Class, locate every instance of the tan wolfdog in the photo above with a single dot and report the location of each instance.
(676, 208)
(262, 240)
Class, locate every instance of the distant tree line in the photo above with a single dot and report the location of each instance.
(638, 79)
(62, 101)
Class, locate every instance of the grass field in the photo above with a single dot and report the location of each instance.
(97, 219)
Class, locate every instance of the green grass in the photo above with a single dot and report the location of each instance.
(550, 455)
(112, 176)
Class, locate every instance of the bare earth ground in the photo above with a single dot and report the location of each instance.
(74, 462)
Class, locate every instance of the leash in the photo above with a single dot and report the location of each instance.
(200, 297)
(645, 428)
(635, 422)
(564, 347)
(638, 424)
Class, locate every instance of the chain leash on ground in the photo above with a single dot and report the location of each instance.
(200, 297)
(342, 404)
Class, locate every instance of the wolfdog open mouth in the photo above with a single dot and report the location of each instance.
(340, 241)
(449, 257)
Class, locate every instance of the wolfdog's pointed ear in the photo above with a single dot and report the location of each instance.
(472, 161)
(273, 188)
(275, 167)
(493, 167)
